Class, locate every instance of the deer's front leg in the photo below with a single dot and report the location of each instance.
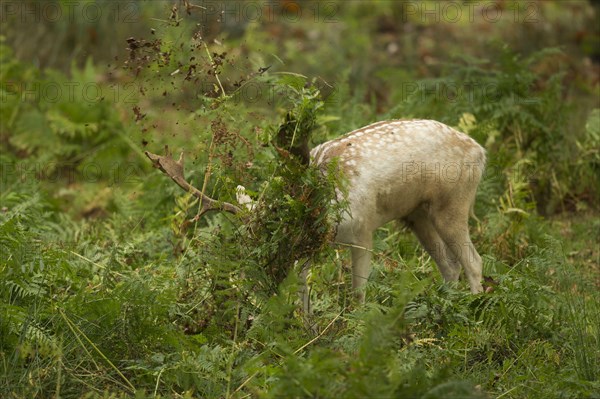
(361, 265)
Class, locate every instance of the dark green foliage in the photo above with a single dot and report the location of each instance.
(63, 129)
(294, 133)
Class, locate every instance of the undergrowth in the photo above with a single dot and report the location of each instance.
(111, 288)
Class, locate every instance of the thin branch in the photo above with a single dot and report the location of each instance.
(77, 333)
(214, 67)
(320, 335)
(174, 169)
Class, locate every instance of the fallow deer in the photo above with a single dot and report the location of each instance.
(421, 172)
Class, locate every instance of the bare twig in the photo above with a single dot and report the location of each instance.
(320, 335)
(174, 169)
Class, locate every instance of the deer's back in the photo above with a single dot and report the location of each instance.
(392, 167)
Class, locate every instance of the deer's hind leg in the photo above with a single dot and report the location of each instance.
(451, 221)
(420, 223)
